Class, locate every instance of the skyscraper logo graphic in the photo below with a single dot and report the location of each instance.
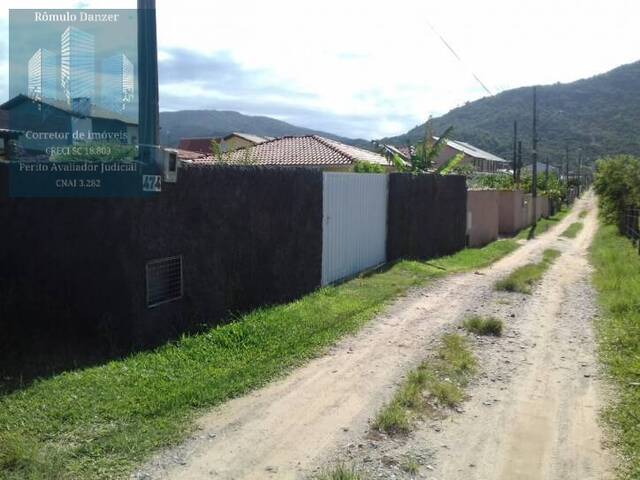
(42, 75)
(77, 65)
(117, 83)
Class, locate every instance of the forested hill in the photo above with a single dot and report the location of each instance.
(218, 123)
(600, 114)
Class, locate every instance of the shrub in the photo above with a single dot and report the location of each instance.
(362, 166)
(617, 183)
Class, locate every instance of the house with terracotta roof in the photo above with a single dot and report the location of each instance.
(300, 151)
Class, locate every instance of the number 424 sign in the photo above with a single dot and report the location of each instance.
(151, 183)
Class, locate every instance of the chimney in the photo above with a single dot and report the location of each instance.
(149, 127)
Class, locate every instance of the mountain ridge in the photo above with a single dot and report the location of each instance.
(175, 125)
(597, 114)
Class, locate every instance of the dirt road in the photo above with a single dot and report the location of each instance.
(531, 413)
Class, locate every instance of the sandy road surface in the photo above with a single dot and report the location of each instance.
(538, 421)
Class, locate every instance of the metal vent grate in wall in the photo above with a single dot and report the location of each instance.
(164, 280)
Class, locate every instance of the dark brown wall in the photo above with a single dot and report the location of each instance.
(72, 271)
(426, 215)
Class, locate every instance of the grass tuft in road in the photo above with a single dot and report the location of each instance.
(410, 465)
(102, 422)
(341, 472)
(544, 224)
(583, 213)
(617, 281)
(572, 230)
(523, 278)
(483, 325)
(441, 380)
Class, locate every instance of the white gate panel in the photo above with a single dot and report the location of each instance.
(354, 223)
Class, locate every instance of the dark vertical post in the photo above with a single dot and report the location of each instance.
(534, 158)
(546, 174)
(515, 152)
(566, 165)
(580, 173)
(519, 159)
(148, 107)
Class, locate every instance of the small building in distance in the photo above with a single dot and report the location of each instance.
(300, 151)
(480, 160)
(229, 143)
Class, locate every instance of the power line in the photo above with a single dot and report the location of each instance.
(450, 48)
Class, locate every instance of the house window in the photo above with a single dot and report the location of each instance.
(164, 280)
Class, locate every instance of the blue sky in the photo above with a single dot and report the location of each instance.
(368, 68)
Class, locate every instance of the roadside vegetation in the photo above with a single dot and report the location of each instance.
(524, 278)
(544, 224)
(480, 325)
(341, 472)
(437, 382)
(617, 280)
(101, 422)
(617, 183)
(572, 230)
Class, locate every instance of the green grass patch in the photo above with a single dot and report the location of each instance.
(102, 422)
(583, 213)
(483, 325)
(410, 465)
(441, 379)
(341, 472)
(617, 281)
(572, 230)
(544, 224)
(523, 278)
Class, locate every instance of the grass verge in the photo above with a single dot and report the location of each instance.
(101, 422)
(572, 230)
(483, 325)
(617, 281)
(523, 278)
(544, 224)
(440, 380)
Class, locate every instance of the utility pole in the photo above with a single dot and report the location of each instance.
(515, 151)
(546, 174)
(534, 159)
(566, 166)
(149, 129)
(519, 160)
(580, 173)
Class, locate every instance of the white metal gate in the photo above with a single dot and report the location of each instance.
(354, 223)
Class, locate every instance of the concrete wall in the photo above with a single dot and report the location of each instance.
(510, 211)
(482, 217)
(516, 210)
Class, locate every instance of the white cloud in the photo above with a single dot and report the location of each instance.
(376, 66)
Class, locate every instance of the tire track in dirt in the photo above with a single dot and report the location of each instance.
(292, 426)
